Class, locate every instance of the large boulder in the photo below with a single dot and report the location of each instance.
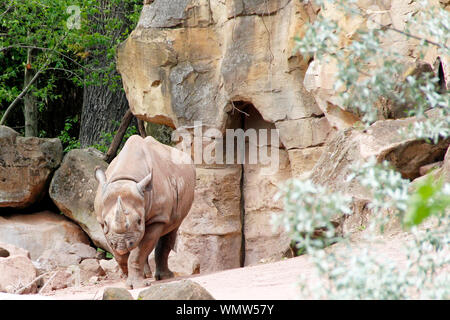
(383, 141)
(26, 165)
(7, 249)
(60, 279)
(180, 290)
(111, 268)
(90, 268)
(16, 270)
(40, 231)
(73, 189)
(65, 255)
(116, 294)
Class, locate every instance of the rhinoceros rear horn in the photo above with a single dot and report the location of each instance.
(145, 184)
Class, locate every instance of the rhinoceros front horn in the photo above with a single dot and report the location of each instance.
(119, 217)
(145, 184)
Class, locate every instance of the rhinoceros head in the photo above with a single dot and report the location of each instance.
(123, 211)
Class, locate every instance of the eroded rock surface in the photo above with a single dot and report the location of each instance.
(26, 165)
(39, 232)
(212, 229)
(180, 290)
(16, 270)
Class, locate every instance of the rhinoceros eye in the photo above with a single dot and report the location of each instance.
(139, 221)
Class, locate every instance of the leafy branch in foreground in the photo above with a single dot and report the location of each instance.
(370, 76)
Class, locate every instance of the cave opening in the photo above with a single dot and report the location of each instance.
(259, 183)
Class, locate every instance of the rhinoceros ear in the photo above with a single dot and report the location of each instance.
(100, 175)
(145, 184)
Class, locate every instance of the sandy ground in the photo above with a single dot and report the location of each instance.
(274, 281)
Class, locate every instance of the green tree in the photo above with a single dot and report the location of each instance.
(44, 40)
(104, 101)
(36, 42)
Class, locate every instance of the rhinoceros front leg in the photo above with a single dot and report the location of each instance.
(139, 255)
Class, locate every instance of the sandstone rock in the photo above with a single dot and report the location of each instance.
(90, 268)
(381, 140)
(446, 166)
(259, 189)
(180, 290)
(92, 281)
(75, 272)
(40, 231)
(7, 250)
(321, 75)
(220, 51)
(65, 255)
(180, 263)
(73, 189)
(26, 165)
(117, 294)
(83, 251)
(197, 60)
(111, 267)
(440, 170)
(303, 160)
(303, 133)
(16, 272)
(212, 229)
(184, 264)
(429, 167)
(60, 280)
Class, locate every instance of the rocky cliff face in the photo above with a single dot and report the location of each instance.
(231, 64)
(200, 61)
(189, 60)
(321, 76)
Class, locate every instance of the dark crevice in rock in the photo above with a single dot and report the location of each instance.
(4, 253)
(244, 12)
(441, 75)
(410, 157)
(242, 208)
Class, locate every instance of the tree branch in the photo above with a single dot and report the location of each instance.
(22, 94)
(141, 128)
(23, 46)
(112, 151)
(25, 90)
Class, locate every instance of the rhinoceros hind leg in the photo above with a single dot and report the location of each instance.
(165, 244)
